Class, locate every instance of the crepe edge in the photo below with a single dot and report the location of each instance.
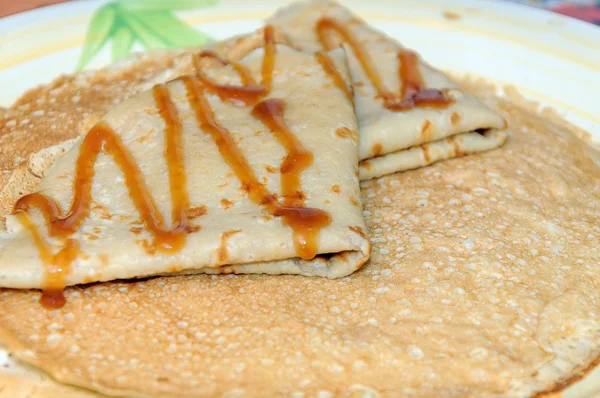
(426, 154)
(561, 385)
(337, 265)
(353, 251)
(13, 385)
(20, 351)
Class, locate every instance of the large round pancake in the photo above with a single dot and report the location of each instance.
(483, 281)
(25, 386)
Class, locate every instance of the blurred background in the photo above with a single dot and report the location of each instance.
(587, 10)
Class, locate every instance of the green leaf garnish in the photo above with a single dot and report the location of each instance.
(144, 31)
(149, 22)
(171, 29)
(98, 32)
(122, 42)
(165, 5)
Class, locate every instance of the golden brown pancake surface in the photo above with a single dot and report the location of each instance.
(483, 280)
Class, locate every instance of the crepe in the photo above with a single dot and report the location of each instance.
(409, 114)
(201, 175)
(483, 282)
(24, 381)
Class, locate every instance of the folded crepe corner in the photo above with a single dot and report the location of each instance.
(238, 169)
(409, 114)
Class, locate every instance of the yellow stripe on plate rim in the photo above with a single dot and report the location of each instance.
(450, 25)
(194, 20)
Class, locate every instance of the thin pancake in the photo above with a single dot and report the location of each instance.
(483, 281)
(408, 112)
(184, 178)
(28, 385)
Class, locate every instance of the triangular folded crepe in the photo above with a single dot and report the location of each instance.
(245, 168)
(409, 114)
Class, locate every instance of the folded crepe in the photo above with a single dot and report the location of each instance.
(245, 168)
(409, 114)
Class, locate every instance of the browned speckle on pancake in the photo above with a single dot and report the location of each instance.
(359, 231)
(91, 278)
(222, 254)
(343, 256)
(145, 137)
(227, 270)
(455, 147)
(376, 149)
(104, 259)
(198, 211)
(190, 228)
(354, 202)
(101, 210)
(175, 268)
(136, 229)
(455, 118)
(426, 154)
(366, 164)
(335, 188)
(148, 247)
(345, 132)
(226, 203)
(426, 131)
(89, 236)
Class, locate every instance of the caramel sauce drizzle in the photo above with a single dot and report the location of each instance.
(306, 223)
(102, 138)
(243, 72)
(334, 74)
(270, 113)
(57, 265)
(173, 239)
(413, 92)
(249, 92)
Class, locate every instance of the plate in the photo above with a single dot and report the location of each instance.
(550, 58)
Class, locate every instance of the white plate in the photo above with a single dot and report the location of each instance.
(550, 58)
